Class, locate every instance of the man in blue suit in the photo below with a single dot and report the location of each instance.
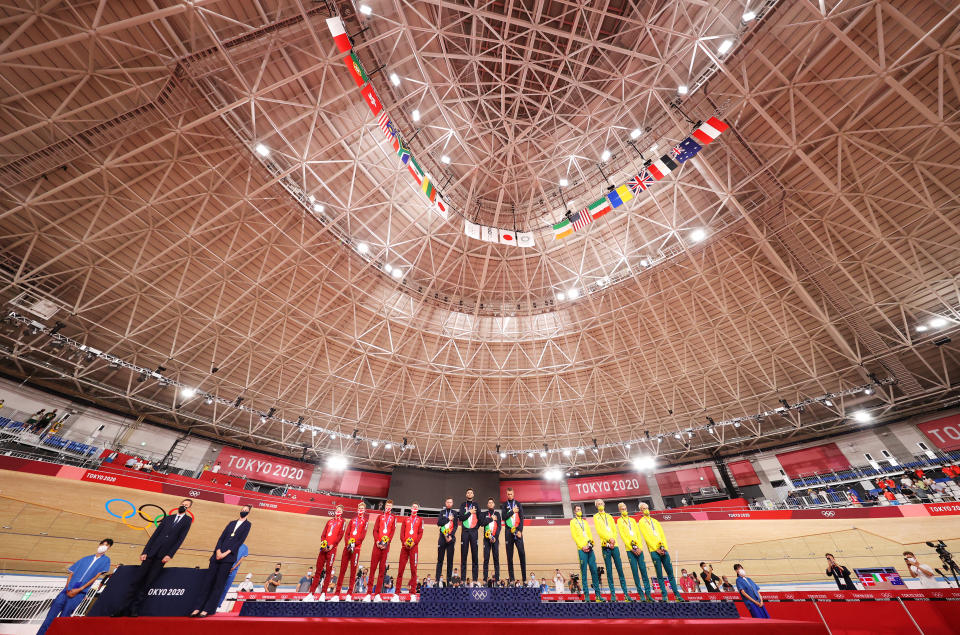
(221, 562)
(158, 551)
(83, 573)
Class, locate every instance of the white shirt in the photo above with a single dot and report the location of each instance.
(237, 526)
(215, 469)
(926, 576)
(246, 585)
(558, 580)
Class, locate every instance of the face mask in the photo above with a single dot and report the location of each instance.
(248, 577)
(339, 513)
(277, 569)
(706, 568)
(413, 512)
(600, 507)
(741, 573)
(181, 509)
(578, 513)
(646, 512)
(911, 559)
(624, 513)
(244, 513)
(102, 548)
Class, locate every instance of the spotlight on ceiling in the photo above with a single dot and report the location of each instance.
(445, 159)
(375, 444)
(543, 455)
(397, 273)
(365, 9)
(697, 235)
(416, 115)
(553, 475)
(318, 208)
(581, 451)
(388, 446)
(388, 267)
(921, 328)
(337, 462)
(566, 453)
(573, 294)
(748, 16)
(862, 416)
(676, 435)
(394, 79)
(725, 46)
(683, 90)
(644, 463)
(363, 248)
(561, 296)
(644, 262)
(262, 150)
(208, 400)
(529, 455)
(828, 403)
(938, 323)
(635, 133)
(564, 182)
(605, 156)
(868, 391)
(188, 392)
(503, 455)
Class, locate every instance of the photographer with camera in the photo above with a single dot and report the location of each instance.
(840, 574)
(949, 565)
(924, 573)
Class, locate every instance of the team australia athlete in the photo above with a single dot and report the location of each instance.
(633, 541)
(657, 544)
(606, 528)
(580, 530)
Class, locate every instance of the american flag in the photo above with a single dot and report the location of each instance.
(582, 219)
(641, 182)
(385, 124)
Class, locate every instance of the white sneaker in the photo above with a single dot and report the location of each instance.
(335, 598)
(308, 598)
(378, 598)
(366, 598)
(322, 597)
(395, 598)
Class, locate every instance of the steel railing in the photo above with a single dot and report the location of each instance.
(26, 601)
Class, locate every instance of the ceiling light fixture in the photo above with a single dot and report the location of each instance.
(683, 90)
(388, 267)
(318, 208)
(605, 156)
(188, 392)
(697, 235)
(635, 133)
(397, 273)
(445, 159)
(262, 150)
(503, 455)
(725, 46)
(862, 416)
(564, 182)
(529, 455)
(561, 296)
(566, 453)
(748, 15)
(573, 294)
(921, 328)
(375, 444)
(416, 115)
(938, 322)
(868, 391)
(581, 451)
(363, 248)
(394, 79)
(365, 9)
(644, 262)
(337, 462)
(543, 455)
(388, 446)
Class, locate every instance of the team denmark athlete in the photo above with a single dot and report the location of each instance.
(410, 533)
(329, 539)
(354, 534)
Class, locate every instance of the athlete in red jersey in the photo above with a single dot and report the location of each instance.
(383, 530)
(332, 534)
(353, 538)
(410, 533)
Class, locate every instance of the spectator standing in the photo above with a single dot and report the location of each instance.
(247, 585)
(83, 573)
(840, 573)
(303, 586)
(750, 593)
(273, 580)
(31, 423)
(216, 468)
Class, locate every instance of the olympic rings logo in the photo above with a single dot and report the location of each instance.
(143, 512)
(479, 594)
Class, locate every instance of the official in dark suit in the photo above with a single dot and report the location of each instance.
(221, 561)
(158, 551)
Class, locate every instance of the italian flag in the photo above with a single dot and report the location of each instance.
(491, 528)
(446, 529)
(513, 521)
(471, 521)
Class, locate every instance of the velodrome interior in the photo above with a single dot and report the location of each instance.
(699, 255)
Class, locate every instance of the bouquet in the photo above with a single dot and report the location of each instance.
(351, 544)
(324, 546)
(383, 542)
(446, 529)
(408, 542)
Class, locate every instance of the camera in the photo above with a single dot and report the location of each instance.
(947, 559)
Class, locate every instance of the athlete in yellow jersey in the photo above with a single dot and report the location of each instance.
(606, 528)
(633, 542)
(657, 544)
(584, 539)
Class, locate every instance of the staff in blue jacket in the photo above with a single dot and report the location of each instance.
(83, 573)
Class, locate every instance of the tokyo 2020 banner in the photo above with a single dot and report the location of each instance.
(263, 467)
(591, 487)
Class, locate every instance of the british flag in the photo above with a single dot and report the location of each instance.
(640, 182)
(581, 220)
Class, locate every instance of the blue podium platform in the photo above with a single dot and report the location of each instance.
(492, 603)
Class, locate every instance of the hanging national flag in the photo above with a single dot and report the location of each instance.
(415, 170)
(657, 170)
(525, 239)
(619, 196)
(441, 206)
(582, 221)
(508, 237)
(641, 182)
(686, 150)
(471, 229)
(598, 208)
(427, 188)
(490, 234)
(385, 125)
(339, 34)
(668, 161)
(709, 130)
(563, 229)
(356, 69)
(370, 95)
(402, 150)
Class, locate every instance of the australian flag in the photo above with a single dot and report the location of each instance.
(640, 182)
(686, 150)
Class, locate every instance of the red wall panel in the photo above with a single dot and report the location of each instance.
(686, 480)
(943, 433)
(743, 473)
(821, 458)
(532, 491)
(359, 482)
